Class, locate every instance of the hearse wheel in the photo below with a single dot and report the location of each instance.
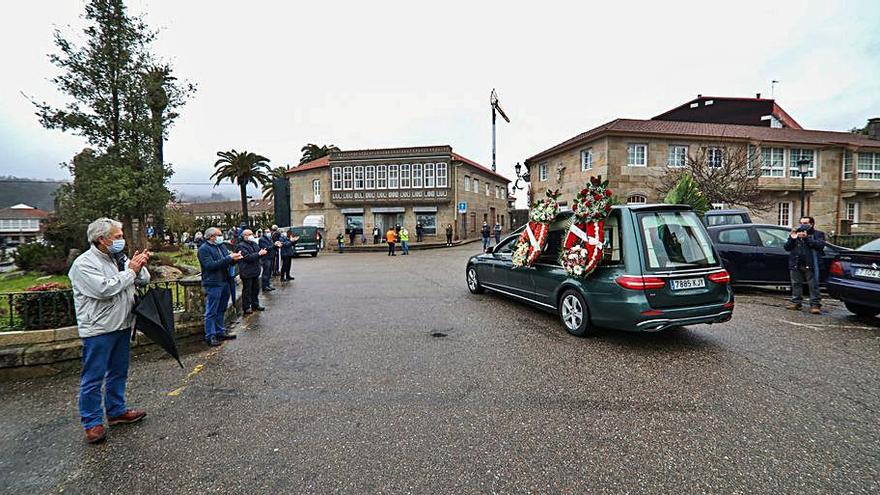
(573, 313)
(473, 282)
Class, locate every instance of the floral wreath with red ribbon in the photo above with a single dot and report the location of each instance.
(533, 239)
(585, 240)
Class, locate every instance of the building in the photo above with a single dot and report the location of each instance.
(353, 191)
(21, 223)
(218, 210)
(842, 185)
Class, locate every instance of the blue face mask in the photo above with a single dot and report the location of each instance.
(117, 246)
(218, 240)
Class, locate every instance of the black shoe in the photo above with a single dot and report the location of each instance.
(269, 289)
(228, 336)
(248, 311)
(213, 342)
(259, 308)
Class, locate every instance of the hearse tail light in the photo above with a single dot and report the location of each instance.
(721, 277)
(634, 282)
(836, 268)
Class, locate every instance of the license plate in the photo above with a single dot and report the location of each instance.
(688, 283)
(300, 248)
(866, 272)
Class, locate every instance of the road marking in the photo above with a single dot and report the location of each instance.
(821, 325)
(195, 371)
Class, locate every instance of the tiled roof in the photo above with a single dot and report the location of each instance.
(226, 206)
(18, 213)
(456, 156)
(320, 162)
(649, 128)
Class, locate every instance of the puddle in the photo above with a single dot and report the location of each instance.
(438, 334)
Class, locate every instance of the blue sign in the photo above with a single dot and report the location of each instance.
(462, 207)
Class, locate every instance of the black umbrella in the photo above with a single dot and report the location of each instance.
(155, 319)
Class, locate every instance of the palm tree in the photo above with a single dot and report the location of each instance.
(241, 168)
(313, 152)
(269, 187)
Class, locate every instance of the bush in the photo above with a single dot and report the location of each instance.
(30, 256)
(46, 305)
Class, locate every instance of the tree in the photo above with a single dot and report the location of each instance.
(722, 174)
(686, 192)
(241, 168)
(313, 152)
(178, 221)
(122, 102)
(269, 187)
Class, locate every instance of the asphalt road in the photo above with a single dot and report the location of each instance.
(341, 387)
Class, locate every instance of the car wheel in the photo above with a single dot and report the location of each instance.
(860, 310)
(315, 254)
(473, 282)
(573, 313)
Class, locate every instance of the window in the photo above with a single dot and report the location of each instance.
(869, 166)
(734, 236)
(542, 172)
(337, 178)
(497, 192)
(783, 213)
(404, 176)
(487, 189)
(677, 156)
(381, 176)
(442, 175)
(675, 239)
(715, 157)
(476, 185)
(771, 237)
(428, 221)
(550, 255)
(359, 177)
(354, 223)
(346, 178)
(316, 191)
(417, 176)
(636, 199)
(637, 155)
(370, 182)
(467, 183)
(772, 162)
(795, 155)
(429, 175)
(852, 211)
(847, 165)
(393, 176)
(587, 159)
(612, 254)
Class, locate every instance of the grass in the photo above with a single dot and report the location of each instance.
(21, 282)
(185, 256)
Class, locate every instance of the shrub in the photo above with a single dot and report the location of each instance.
(47, 305)
(29, 256)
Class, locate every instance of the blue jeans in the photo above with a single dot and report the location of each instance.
(216, 302)
(485, 243)
(267, 273)
(105, 358)
(404, 245)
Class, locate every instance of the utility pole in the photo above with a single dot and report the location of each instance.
(496, 108)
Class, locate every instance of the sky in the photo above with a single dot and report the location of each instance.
(275, 75)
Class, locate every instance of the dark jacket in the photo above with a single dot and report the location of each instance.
(484, 231)
(215, 262)
(249, 265)
(269, 246)
(287, 247)
(449, 231)
(806, 252)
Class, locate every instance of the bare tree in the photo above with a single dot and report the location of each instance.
(723, 174)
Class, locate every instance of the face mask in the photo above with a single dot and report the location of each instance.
(248, 238)
(117, 246)
(218, 240)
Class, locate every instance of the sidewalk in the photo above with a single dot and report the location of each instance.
(382, 247)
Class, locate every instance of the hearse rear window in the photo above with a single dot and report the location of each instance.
(675, 239)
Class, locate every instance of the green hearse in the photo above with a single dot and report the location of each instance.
(659, 271)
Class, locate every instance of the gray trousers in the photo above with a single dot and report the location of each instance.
(799, 277)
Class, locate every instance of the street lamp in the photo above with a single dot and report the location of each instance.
(525, 177)
(803, 168)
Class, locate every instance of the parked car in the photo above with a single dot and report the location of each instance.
(855, 279)
(308, 242)
(726, 217)
(659, 271)
(754, 254)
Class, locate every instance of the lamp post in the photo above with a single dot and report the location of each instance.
(803, 168)
(525, 177)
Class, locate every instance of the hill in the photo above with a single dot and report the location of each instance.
(35, 193)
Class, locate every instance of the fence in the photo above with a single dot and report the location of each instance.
(54, 309)
(852, 240)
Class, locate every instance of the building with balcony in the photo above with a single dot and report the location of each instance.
(353, 191)
(842, 184)
(21, 223)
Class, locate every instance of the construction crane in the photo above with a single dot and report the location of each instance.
(496, 109)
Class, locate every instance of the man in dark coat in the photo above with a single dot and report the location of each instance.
(249, 271)
(267, 261)
(420, 232)
(805, 246)
(217, 282)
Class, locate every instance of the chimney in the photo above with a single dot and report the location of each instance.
(758, 95)
(873, 128)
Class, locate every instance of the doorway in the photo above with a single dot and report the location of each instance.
(386, 221)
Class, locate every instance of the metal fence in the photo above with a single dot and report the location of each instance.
(55, 309)
(852, 240)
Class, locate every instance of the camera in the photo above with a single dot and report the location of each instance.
(803, 227)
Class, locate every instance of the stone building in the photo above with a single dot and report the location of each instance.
(21, 223)
(842, 185)
(355, 190)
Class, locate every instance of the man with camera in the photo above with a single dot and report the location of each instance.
(805, 246)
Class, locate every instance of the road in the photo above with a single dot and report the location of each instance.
(341, 387)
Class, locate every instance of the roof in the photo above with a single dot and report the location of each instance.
(730, 110)
(457, 157)
(647, 128)
(320, 162)
(22, 211)
(226, 206)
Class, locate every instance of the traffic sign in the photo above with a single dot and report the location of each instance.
(462, 207)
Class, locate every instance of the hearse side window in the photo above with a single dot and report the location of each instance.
(612, 253)
(675, 239)
(507, 247)
(550, 255)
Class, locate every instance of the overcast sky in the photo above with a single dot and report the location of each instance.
(274, 75)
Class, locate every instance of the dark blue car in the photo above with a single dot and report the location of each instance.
(855, 279)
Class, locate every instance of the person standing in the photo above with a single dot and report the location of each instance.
(420, 232)
(404, 240)
(288, 250)
(276, 259)
(449, 234)
(268, 260)
(497, 230)
(103, 281)
(217, 283)
(391, 239)
(249, 271)
(377, 234)
(340, 241)
(805, 247)
(484, 232)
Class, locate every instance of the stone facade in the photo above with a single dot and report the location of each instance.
(356, 196)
